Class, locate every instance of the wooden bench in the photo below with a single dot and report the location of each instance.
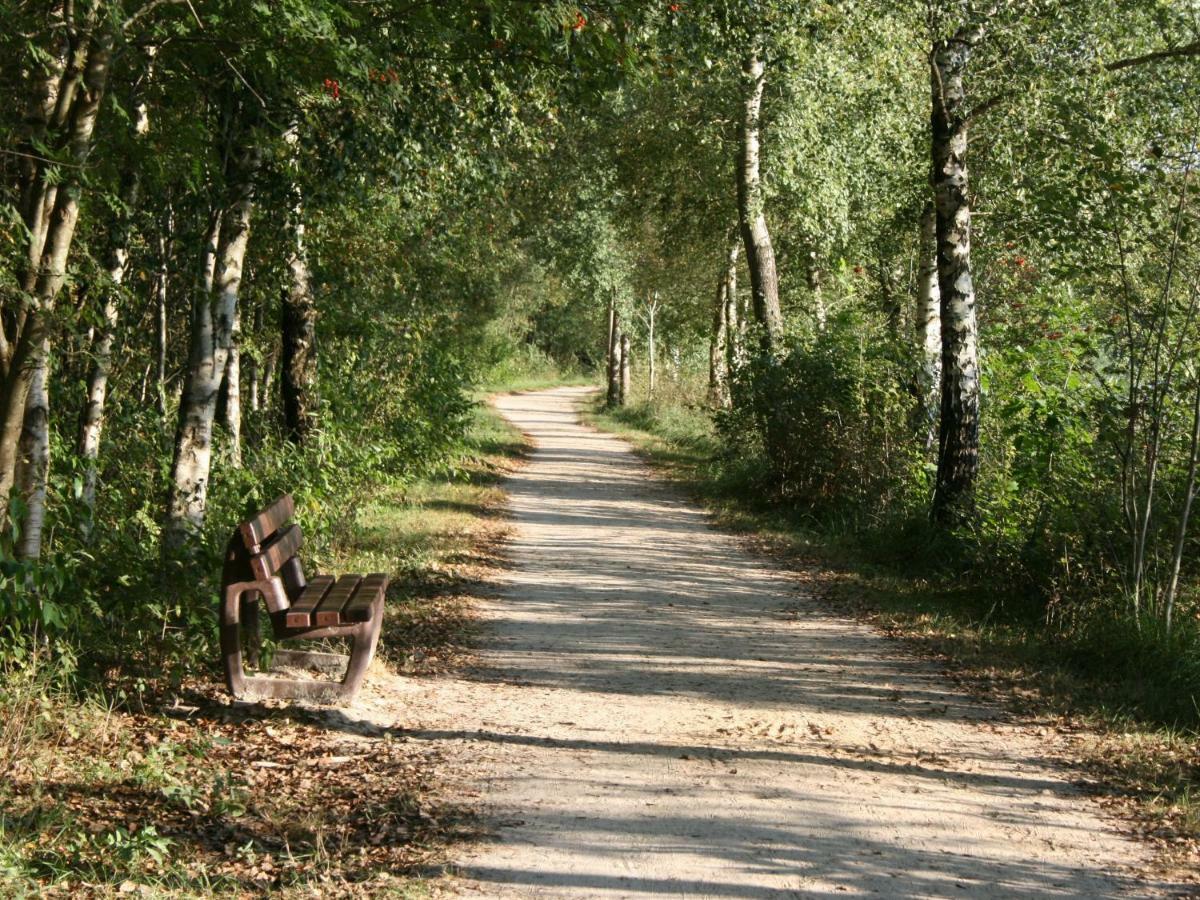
(261, 562)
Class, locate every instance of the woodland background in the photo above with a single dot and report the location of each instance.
(922, 279)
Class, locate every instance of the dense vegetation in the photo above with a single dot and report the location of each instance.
(925, 273)
(922, 277)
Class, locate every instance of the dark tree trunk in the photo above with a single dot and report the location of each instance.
(298, 330)
(613, 397)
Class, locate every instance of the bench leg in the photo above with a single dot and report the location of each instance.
(231, 638)
(364, 637)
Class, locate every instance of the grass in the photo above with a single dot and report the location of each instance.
(194, 797)
(1117, 696)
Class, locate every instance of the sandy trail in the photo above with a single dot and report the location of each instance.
(661, 714)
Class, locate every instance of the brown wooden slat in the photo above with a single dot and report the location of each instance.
(330, 610)
(257, 529)
(276, 552)
(358, 608)
(299, 614)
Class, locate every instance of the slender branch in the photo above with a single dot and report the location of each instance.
(1192, 49)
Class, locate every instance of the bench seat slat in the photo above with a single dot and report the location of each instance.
(276, 552)
(330, 610)
(358, 608)
(266, 523)
(299, 614)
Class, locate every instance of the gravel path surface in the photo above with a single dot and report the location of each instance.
(660, 713)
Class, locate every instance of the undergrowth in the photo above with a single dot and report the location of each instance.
(183, 794)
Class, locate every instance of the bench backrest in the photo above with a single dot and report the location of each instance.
(263, 548)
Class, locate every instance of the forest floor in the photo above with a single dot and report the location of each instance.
(180, 792)
(659, 711)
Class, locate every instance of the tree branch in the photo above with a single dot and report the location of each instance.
(1192, 49)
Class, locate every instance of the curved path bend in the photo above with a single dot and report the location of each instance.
(660, 713)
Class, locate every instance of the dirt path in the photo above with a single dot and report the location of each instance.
(663, 715)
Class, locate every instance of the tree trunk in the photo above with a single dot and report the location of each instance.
(735, 320)
(609, 347)
(816, 288)
(34, 464)
(231, 391)
(213, 311)
(652, 315)
(299, 338)
(268, 378)
(91, 420)
(958, 435)
(252, 363)
(626, 372)
(78, 103)
(929, 323)
(718, 348)
(725, 349)
(760, 256)
(161, 286)
(613, 397)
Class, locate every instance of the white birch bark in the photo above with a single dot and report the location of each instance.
(958, 433)
(626, 371)
(213, 315)
(77, 107)
(760, 255)
(929, 324)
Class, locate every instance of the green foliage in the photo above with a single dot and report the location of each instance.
(831, 423)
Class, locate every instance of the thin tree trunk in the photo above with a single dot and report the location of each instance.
(1189, 496)
(929, 321)
(231, 390)
(724, 351)
(760, 255)
(77, 108)
(626, 372)
(252, 363)
(161, 287)
(718, 348)
(613, 397)
(268, 377)
(609, 348)
(34, 464)
(213, 314)
(816, 289)
(652, 315)
(958, 435)
(735, 319)
(91, 421)
(299, 338)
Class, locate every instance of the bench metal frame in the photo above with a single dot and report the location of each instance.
(254, 570)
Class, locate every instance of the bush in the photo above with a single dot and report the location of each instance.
(831, 422)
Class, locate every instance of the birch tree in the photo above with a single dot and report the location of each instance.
(214, 308)
(958, 429)
(760, 255)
